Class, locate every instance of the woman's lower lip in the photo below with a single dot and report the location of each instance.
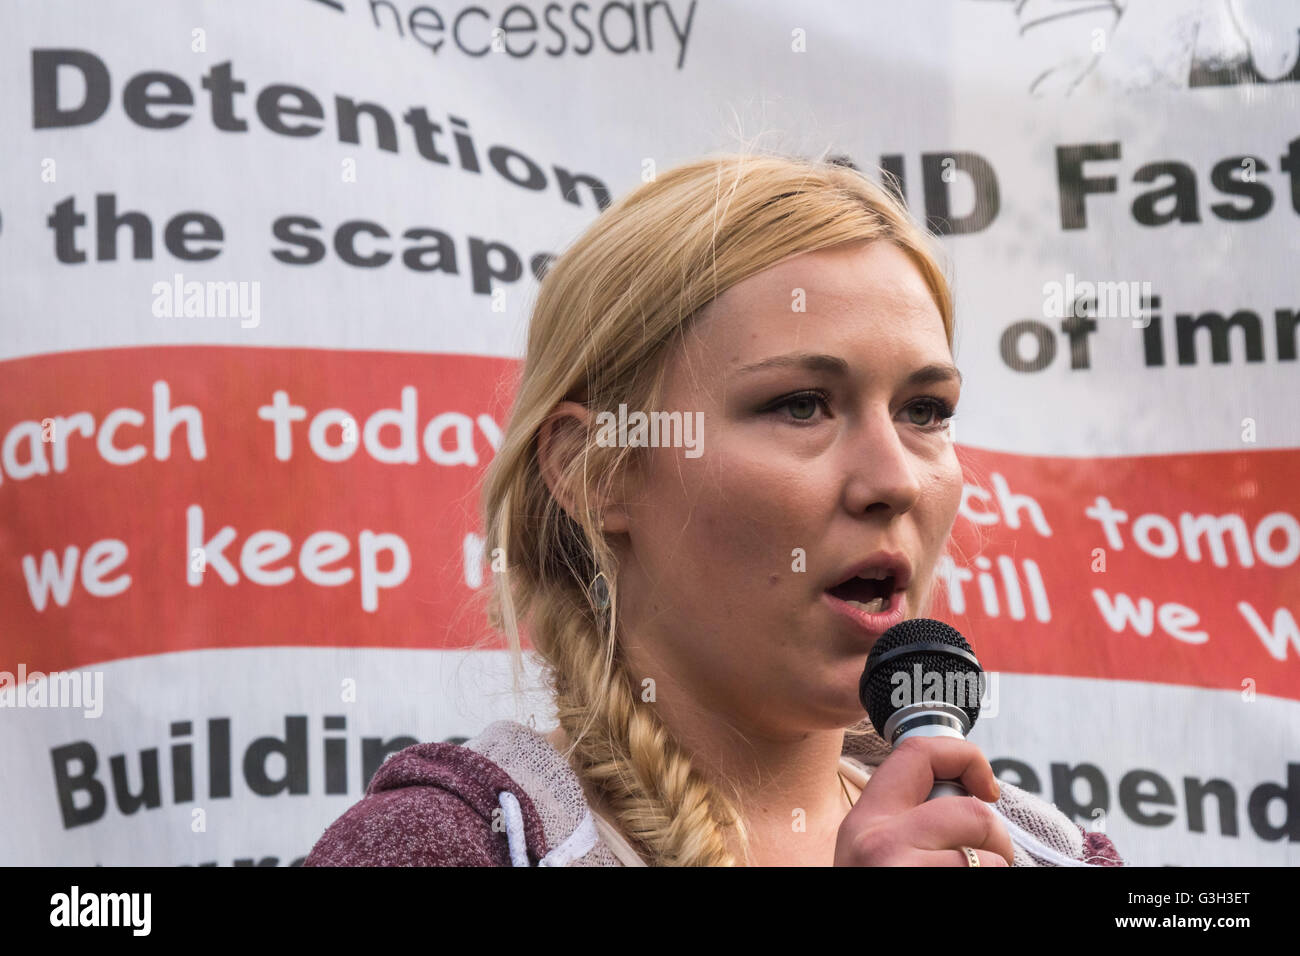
(874, 624)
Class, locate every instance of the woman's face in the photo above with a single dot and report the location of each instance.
(729, 555)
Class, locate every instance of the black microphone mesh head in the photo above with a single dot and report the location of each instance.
(882, 693)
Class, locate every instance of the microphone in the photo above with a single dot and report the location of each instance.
(922, 680)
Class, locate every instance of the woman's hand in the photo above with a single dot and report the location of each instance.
(892, 824)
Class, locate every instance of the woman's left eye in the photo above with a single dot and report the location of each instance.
(936, 413)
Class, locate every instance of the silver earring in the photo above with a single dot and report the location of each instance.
(599, 591)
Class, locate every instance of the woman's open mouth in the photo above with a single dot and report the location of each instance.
(870, 594)
(870, 601)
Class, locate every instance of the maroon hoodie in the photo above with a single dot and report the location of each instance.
(430, 805)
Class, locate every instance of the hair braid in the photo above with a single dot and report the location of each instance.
(619, 748)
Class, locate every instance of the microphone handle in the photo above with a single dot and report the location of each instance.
(947, 788)
(942, 788)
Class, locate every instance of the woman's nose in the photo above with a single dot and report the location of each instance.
(882, 473)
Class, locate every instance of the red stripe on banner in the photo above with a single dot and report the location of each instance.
(1039, 586)
(1120, 555)
(242, 485)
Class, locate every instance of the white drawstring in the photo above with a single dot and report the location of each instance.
(577, 844)
(1037, 847)
(515, 836)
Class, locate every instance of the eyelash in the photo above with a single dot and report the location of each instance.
(942, 410)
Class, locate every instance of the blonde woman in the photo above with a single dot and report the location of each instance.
(790, 325)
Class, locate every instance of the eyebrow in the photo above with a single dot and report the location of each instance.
(819, 362)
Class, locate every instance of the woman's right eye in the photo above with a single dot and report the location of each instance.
(802, 405)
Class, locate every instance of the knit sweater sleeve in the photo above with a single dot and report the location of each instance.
(1099, 850)
(434, 804)
(411, 826)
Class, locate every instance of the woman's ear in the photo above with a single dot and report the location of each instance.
(560, 440)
